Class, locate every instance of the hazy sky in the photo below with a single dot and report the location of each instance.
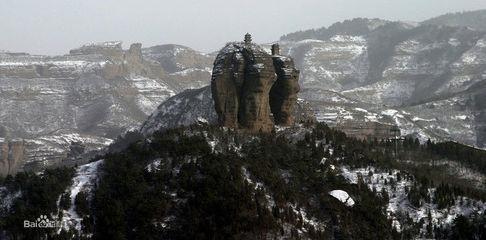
(55, 26)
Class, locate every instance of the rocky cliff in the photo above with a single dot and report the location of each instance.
(11, 156)
(425, 77)
(283, 94)
(88, 96)
(252, 89)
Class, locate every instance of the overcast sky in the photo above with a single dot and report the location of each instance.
(55, 26)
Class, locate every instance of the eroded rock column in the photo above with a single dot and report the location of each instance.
(249, 86)
(283, 95)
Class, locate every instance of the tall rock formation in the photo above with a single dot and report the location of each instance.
(11, 156)
(283, 94)
(251, 87)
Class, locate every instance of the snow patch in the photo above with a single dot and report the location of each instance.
(342, 196)
(85, 178)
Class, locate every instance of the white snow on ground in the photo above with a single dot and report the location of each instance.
(399, 203)
(305, 41)
(84, 179)
(202, 120)
(188, 71)
(110, 44)
(423, 119)
(154, 166)
(305, 219)
(459, 117)
(461, 171)
(145, 84)
(60, 64)
(361, 110)
(212, 141)
(247, 177)
(342, 196)
(311, 221)
(389, 112)
(66, 139)
(7, 198)
(151, 93)
(348, 38)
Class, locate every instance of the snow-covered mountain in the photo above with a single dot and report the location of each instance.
(427, 79)
(87, 97)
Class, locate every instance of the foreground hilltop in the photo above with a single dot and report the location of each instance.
(302, 182)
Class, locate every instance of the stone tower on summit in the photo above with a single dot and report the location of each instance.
(253, 90)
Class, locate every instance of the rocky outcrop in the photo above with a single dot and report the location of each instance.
(130, 63)
(250, 87)
(283, 94)
(197, 106)
(11, 156)
(112, 49)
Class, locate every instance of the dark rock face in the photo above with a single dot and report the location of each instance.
(283, 94)
(11, 156)
(249, 85)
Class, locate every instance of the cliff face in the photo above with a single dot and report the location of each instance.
(283, 94)
(11, 156)
(88, 96)
(427, 79)
(249, 86)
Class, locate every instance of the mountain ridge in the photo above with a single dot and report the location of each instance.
(473, 19)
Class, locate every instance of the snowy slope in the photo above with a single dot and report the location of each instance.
(84, 180)
(426, 72)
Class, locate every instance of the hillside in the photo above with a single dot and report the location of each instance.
(427, 79)
(306, 182)
(472, 19)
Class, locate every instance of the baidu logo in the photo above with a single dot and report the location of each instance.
(42, 222)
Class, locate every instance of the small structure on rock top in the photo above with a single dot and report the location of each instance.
(275, 49)
(247, 38)
(252, 89)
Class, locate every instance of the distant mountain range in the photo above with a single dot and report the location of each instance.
(426, 77)
(51, 104)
